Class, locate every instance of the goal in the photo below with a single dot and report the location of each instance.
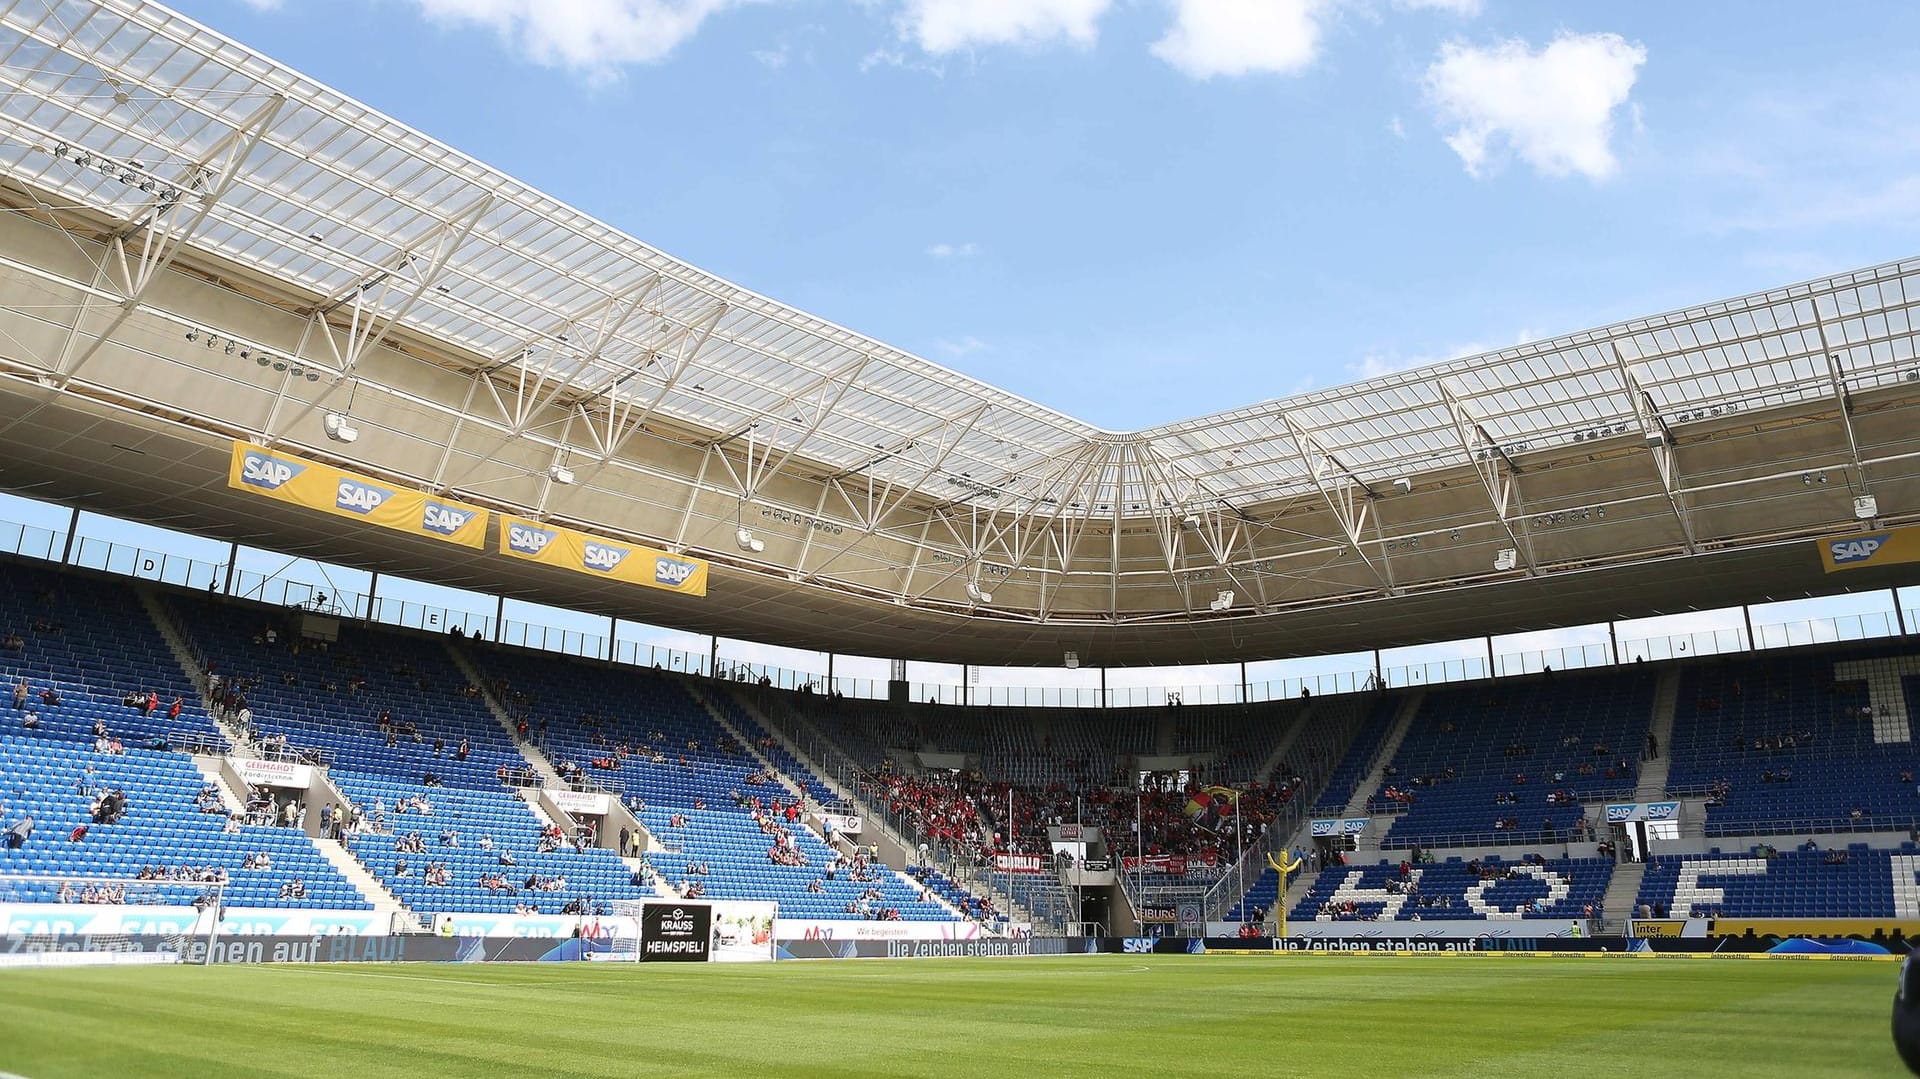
(620, 941)
(65, 920)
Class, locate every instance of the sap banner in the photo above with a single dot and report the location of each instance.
(1622, 812)
(1332, 826)
(1883, 548)
(553, 545)
(282, 476)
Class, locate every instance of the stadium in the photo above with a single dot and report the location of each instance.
(266, 811)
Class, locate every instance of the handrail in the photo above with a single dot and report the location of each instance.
(90, 552)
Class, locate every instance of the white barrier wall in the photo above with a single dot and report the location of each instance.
(854, 929)
(1501, 929)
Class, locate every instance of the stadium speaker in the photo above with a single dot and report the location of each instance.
(897, 690)
(1906, 1014)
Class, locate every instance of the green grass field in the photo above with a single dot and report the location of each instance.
(1089, 1016)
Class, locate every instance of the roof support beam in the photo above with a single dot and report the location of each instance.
(369, 320)
(1843, 398)
(1488, 459)
(840, 382)
(1347, 496)
(214, 173)
(1660, 446)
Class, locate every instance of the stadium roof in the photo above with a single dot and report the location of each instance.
(418, 280)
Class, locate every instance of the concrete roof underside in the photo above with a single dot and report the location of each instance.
(203, 245)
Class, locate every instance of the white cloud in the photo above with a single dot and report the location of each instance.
(954, 251)
(1552, 108)
(263, 5)
(1241, 37)
(942, 26)
(772, 59)
(1466, 9)
(965, 346)
(595, 36)
(1397, 129)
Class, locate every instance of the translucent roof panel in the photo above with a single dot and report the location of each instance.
(104, 103)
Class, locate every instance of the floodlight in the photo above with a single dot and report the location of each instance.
(561, 475)
(1506, 559)
(340, 428)
(749, 542)
(1866, 507)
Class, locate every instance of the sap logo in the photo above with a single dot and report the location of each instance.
(603, 558)
(1619, 813)
(356, 497)
(1662, 810)
(526, 539)
(1849, 551)
(672, 572)
(263, 470)
(1137, 946)
(444, 519)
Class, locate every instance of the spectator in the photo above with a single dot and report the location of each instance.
(20, 694)
(20, 832)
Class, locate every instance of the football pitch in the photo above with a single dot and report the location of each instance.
(1033, 1018)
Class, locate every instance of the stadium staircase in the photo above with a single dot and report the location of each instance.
(194, 668)
(1310, 714)
(748, 742)
(218, 775)
(841, 774)
(809, 760)
(1324, 735)
(1370, 786)
(535, 759)
(371, 887)
(210, 769)
(1622, 892)
(1653, 773)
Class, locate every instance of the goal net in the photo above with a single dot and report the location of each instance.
(620, 941)
(71, 920)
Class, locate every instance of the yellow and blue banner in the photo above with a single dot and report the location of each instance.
(283, 476)
(553, 545)
(1884, 548)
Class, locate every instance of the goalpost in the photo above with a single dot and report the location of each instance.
(77, 920)
(623, 946)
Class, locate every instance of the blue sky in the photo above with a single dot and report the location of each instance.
(1138, 211)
